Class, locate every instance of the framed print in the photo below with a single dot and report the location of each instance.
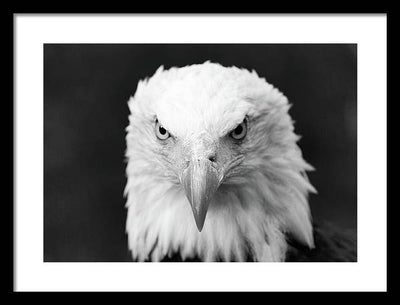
(200, 152)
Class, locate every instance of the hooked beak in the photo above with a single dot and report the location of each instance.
(200, 181)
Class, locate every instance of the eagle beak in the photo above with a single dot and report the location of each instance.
(200, 181)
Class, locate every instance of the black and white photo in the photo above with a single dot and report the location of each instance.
(226, 147)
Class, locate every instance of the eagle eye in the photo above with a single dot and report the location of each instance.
(161, 132)
(240, 131)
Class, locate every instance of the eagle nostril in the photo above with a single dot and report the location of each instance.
(212, 158)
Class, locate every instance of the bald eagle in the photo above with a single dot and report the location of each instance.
(214, 172)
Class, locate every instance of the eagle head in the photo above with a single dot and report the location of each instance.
(213, 167)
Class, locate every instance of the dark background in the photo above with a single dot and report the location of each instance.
(86, 89)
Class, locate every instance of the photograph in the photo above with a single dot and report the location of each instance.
(200, 152)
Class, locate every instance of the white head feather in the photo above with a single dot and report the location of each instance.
(261, 199)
